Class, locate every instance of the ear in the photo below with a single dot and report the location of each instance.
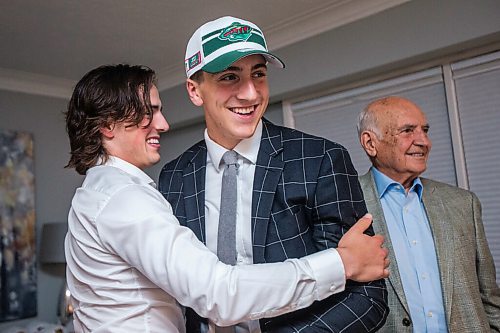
(193, 89)
(108, 131)
(368, 141)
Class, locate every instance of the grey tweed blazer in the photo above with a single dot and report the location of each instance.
(470, 292)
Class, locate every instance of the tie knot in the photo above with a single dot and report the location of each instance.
(230, 157)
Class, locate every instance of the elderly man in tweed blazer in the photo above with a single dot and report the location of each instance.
(297, 193)
(442, 272)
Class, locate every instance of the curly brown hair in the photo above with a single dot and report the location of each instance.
(105, 96)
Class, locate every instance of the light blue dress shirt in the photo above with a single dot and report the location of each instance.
(411, 235)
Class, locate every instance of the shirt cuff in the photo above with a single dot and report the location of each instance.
(328, 270)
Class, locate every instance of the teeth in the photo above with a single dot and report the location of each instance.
(153, 140)
(243, 110)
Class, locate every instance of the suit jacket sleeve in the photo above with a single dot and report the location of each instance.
(490, 293)
(336, 205)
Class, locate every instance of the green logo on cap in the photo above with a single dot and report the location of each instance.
(236, 32)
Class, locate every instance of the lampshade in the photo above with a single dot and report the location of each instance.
(52, 246)
(52, 252)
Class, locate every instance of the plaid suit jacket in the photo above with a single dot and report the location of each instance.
(470, 292)
(305, 196)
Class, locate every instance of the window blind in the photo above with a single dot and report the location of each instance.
(477, 84)
(335, 116)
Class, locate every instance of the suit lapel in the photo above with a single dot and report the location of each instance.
(443, 236)
(193, 179)
(380, 227)
(267, 175)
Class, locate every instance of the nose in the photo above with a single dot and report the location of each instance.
(422, 138)
(247, 90)
(160, 123)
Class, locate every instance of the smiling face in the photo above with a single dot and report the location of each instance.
(138, 145)
(234, 100)
(402, 148)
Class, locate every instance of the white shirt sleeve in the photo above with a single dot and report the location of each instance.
(137, 224)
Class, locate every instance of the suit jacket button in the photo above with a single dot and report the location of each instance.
(406, 322)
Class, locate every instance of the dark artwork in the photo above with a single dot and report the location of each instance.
(17, 227)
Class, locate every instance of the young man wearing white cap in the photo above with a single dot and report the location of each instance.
(295, 194)
(129, 262)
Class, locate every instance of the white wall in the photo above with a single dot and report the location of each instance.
(406, 34)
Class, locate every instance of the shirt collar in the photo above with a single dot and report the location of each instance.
(131, 169)
(246, 148)
(384, 183)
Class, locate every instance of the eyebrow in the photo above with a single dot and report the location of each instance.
(238, 69)
(157, 107)
(413, 126)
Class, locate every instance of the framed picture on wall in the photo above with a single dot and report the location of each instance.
(17, 226)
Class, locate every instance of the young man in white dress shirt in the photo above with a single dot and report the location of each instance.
(130, 265)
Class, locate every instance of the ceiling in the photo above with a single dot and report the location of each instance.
(46, 46)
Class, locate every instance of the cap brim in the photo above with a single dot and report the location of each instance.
(224, 61)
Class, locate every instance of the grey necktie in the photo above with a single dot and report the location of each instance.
(226, 238)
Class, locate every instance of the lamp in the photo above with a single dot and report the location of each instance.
(52, 252)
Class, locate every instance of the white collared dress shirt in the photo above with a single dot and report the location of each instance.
(130, 264)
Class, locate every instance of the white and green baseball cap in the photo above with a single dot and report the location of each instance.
(219, 43)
